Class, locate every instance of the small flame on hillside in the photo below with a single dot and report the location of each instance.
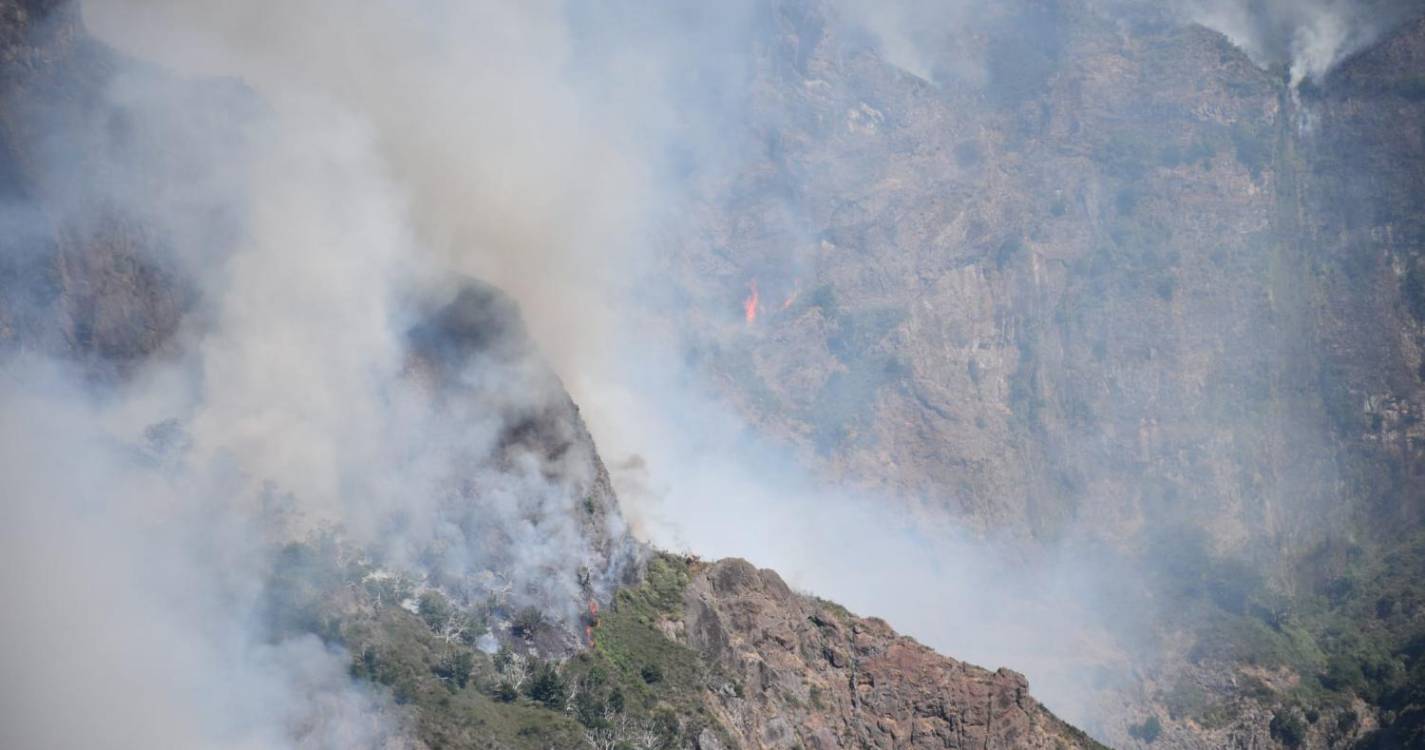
(749, 305)
(592, 621)
(791, 298)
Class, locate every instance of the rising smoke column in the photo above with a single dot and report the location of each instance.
(305, 212)
(1308, 37)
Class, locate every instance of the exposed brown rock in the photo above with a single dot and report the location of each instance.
(809, 674)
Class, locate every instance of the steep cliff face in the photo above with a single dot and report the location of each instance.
(1060, 298)
(1120, 284)
(1153, 287)
(810, 674)
(1356, 225)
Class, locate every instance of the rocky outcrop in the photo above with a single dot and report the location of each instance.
(806, 673)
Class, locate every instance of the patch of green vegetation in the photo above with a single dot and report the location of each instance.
(635, 684)
(456, 693)
(665, 579)
(1148, 731)
(1288, 727)
(1357, 631)
(836, 610)
(637, 673)
(628, 638)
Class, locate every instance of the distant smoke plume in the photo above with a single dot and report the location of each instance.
(926, 39)
(1308, 37)
(940, 41)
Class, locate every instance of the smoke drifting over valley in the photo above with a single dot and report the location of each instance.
(385, 248)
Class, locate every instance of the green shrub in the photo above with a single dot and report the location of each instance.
(505, 692)
(434, 609)
(1288, 728)
(456, 668)
(545, 686)
(1148, 731)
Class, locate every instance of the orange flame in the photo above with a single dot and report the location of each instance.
(593, 620)
(749, 305)
(796, 292)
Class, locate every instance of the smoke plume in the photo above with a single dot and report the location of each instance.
(1309, 38)
(326, 174)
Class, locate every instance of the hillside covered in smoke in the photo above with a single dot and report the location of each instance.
(357, 358)
(276, 474)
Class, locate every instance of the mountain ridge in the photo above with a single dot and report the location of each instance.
(463, 662)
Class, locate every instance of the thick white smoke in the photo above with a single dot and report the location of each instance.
(384, 149)
(132, 597)
(324, 203)
(495, 139)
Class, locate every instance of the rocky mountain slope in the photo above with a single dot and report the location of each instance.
(1062, 297)
(685, 654)
(813, 675)
(1118, 283)
(709, 656)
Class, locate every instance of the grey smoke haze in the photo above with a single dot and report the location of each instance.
(1308, 37)
(537, 150)
(937, 40)
(383, 150)
(131, 598)
(142, 519)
